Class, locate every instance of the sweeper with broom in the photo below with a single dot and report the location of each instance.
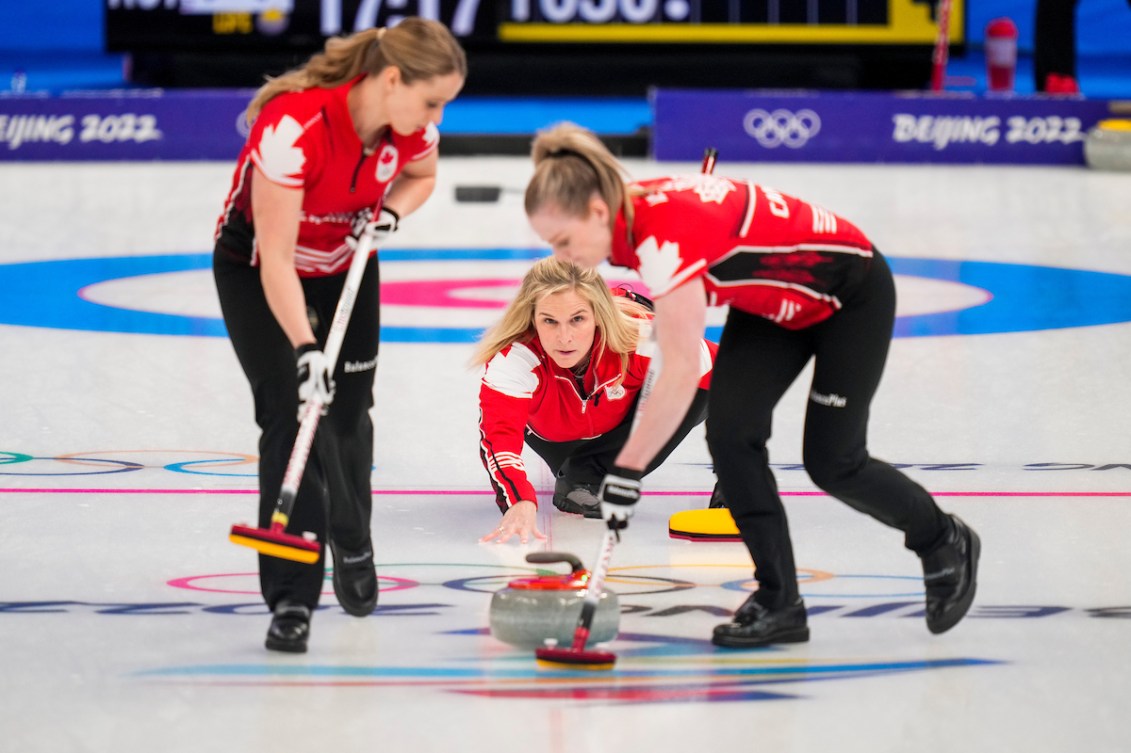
(802, 284)
(339, 151)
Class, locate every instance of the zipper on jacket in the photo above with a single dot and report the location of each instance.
(572, 383)
(585, 400)
(356, 170)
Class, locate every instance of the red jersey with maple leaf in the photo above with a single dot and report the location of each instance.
(306, 139)
(756, 249)
(523, 390)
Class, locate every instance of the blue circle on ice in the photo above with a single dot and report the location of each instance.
(1019, 297)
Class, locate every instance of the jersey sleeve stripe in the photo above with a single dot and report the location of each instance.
(751, 203)
(831, 248)
(832, 300)
(431, 148)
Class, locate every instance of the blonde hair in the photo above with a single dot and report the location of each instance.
(420, 48)
(570, 165)
(617, 317)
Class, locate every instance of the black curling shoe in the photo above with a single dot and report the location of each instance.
(950, 573)
(290, 627)
(355, 580)
(755, 625)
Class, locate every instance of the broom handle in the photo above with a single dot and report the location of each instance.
(300, 453)
(942, 48)
(593, 590)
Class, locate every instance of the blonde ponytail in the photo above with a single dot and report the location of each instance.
(570, 165)
(420, 48)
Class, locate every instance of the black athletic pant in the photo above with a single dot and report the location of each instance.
(756, 363)
(336, 494)
(586, 461)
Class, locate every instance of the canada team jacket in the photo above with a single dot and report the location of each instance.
(756, 249)
(306, 139)
(524, 390)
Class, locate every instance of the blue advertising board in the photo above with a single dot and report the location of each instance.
(804, 126)
(768, 126)
(124, 125)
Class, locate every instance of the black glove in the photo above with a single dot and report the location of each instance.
(619, 493)
(314, 379)
(379, 228)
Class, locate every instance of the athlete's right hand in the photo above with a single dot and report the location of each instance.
(379, 228)
(521, 520)
(314, 379)
(619, 493)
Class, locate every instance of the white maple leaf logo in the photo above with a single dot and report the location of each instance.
(431, 134)
(713, 189)
(658, 264)
(279, 157)
(514, 373)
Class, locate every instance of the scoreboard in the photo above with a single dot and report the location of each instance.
(725, 21)
(293, 25)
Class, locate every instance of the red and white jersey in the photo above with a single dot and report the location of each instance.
(524, 390)
(756, 249)
(306, 139)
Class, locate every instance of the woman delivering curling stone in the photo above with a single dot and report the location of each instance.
(801, 283)
(563, 369)
(342, 147)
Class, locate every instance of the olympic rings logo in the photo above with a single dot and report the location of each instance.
(627, 581)
(101, 463)
(782, 127)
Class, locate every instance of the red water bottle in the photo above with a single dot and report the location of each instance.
(1001, 54)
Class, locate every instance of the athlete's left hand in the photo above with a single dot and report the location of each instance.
(520, 520)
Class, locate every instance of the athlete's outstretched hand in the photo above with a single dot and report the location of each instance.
(521, 520)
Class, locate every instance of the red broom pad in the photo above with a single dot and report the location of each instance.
(281, 545)
(276, 542)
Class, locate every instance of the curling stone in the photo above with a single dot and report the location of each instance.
(539, 610)
(1108, 145)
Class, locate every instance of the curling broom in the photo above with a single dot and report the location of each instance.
(941, 53)
(275, 541)
(576, 656)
